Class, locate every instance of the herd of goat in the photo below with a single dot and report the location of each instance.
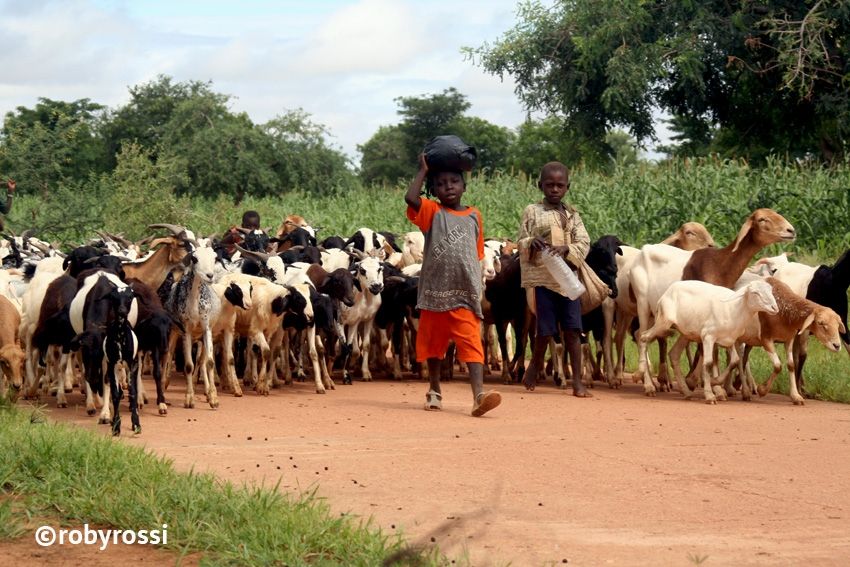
(250, 310)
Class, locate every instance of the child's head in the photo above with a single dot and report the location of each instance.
(251, 219)
(554, 181)
(447, 186)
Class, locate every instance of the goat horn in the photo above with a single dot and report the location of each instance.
(40, 246)
(261, 255)
(243, 230)
(157, 241)
(176, 229)
(119, 239)
(27, 233)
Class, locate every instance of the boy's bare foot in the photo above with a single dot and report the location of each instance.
(485, 401)
(529, 380)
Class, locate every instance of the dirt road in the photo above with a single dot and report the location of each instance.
(544, 479)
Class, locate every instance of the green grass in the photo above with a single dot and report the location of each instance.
(55, 471)
(826, 373)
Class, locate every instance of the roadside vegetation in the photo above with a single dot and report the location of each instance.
(61, 475)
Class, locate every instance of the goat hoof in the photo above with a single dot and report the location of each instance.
(62, 405)
(214, 404)
(318, 391)
(799, 402)
(137, 429)
(346, 381)
(650, 394)
(189, 404)
(91, 411)
(103, 421)
(237, 393)
(163, 410)
(762, 391)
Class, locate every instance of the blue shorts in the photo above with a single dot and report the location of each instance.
(554, 310)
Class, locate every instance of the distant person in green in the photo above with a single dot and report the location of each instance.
(7, 206)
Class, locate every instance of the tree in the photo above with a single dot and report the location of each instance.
(385, 157)
(623, 147)
(492, 142)
(423, 117)
(541, 141)
(392, 152)
(770, 74)
(302, 158)
(53, 141)
(146, 117)
(141, 192)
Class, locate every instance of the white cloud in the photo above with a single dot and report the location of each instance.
(368, 36)
(344, 62)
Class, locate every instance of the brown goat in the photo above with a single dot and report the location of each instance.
(11, 354)
(796, 314)
(723, 266)
(153, 270)
(690, 236)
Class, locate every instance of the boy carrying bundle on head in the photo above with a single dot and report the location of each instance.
(450, 284)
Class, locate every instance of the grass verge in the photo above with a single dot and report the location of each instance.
(51, 470)
(825, 372)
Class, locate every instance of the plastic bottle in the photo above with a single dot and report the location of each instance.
(571, 286)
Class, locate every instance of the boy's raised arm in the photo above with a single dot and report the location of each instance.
(412, 197)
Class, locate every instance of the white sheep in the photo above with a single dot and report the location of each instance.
(710, 314)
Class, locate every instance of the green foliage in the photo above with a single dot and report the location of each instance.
(392, 152)
(384, 157)
(145, 118)
(140, 191)
(492, 143)
(771, 74)
(541, 141)
(623, 147)
(642, 203)
(424, 117)
(302, 158)
(50, 143)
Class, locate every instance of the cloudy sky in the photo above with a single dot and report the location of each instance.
(343, 61)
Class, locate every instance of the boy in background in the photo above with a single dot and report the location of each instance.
(553, 225)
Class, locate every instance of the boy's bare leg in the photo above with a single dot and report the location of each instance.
(476, 378)
(434, 374)
(572, 340)
(529, 380)
(482, 401)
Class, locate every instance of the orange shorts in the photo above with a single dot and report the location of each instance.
(436, 328)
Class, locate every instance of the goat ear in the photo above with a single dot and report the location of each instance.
(619, 251)
(807, 323)
(357, 284)
(745, 230)
(279, 305)
(841, 328)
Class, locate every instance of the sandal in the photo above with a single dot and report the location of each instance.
(485, 401)
(433, 401)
